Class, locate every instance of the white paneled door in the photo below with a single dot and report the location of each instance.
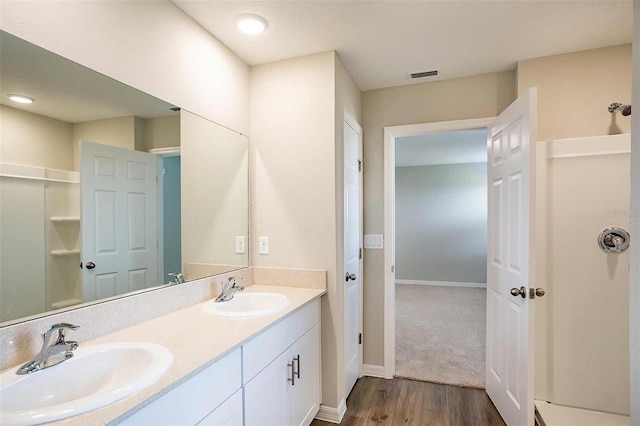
(352, 168)
(119, 221)
(510, 310)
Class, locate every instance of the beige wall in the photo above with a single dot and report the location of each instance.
(297, 108)
(457, 99)
(575, 89)
(34, 140)
(161, 132)
(138, 134)
(131, 41)
(119, 132)
(293, 180)
(214, 178)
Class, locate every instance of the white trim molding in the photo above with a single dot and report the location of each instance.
(634, 257)
(390, 135)
(20, 171)
(589, 146)
(373, 370)
(330, 414)
(443, 283)
(172, 150)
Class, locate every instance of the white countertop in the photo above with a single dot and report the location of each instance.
(196, 340)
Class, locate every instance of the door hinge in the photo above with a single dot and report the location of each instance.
(359, 338)
(359, 165)
(360, 254)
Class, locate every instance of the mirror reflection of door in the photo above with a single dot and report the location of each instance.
(119, 220)
(170, 236)
(40, 212)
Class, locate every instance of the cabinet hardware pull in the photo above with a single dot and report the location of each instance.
(293, 373)
(297, 358)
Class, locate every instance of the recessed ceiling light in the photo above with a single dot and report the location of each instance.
(21, 99)
(251, 24)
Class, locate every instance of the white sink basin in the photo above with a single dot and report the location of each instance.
(248, 305)
(96, 376)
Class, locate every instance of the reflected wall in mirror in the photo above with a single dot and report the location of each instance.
(105, 190)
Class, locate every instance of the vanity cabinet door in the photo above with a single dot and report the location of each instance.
(266, 395)
(228, 414)
(305, 393)
(272, 398)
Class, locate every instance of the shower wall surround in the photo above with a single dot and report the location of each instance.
(582, 323)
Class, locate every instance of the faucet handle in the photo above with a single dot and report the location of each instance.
(61, 328)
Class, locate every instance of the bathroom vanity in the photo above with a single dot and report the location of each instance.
(226, 371)
(276, 373)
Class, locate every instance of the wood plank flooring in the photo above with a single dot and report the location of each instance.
(375, 401)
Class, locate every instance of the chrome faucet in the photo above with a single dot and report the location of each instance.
(229, 288)
(52, 352)
(177, 276)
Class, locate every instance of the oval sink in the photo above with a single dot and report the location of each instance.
(248, 305)
(96, 376)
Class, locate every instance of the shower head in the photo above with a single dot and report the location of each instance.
(624, 109)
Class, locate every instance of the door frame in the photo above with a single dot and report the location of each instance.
(390, 135)
(353, 123)
(634, 276)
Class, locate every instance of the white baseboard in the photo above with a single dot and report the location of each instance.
(373, 370)
(330, 414)
(443, 283)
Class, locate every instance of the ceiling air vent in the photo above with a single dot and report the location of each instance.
(422, 74)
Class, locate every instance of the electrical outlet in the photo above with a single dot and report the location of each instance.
(264, 245)
(240, 246)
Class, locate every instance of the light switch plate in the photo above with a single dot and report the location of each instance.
(373, 241)
(240, 245)
(264, 245)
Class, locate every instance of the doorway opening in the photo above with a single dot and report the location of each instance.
(169, 215)
(392, 135)
(441, 250)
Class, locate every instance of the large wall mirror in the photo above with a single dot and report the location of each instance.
(106, 191)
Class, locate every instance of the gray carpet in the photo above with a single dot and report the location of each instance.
(440, 334)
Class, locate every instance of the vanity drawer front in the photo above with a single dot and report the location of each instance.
(264, 348)
(194, 399)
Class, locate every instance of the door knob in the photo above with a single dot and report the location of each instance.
(90, 265)
(519, 292)
(540, 292)
(350, 277)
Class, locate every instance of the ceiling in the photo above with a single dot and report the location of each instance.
(468, 146)
(381, 41)
(65, 90)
